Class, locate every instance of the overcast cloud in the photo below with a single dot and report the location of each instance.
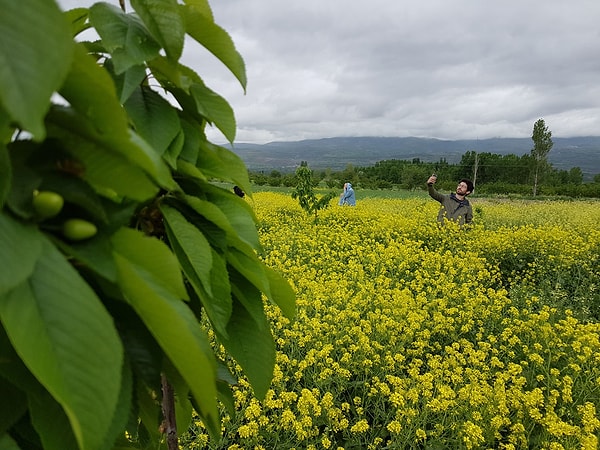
(448, 69)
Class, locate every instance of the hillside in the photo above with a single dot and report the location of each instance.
(337, 152)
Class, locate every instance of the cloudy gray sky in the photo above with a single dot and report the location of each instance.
(447, 69)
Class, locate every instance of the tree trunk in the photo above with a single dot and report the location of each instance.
(168, 410)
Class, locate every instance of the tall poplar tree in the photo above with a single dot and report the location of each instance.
(542, 144)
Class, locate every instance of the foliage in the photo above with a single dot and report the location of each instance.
(496, 174)
(305, 194)
(542, 144)
(494, 168)
(97, 317)
(412, 336)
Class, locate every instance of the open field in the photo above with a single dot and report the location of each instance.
(412, 336)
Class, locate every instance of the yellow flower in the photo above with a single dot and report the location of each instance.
(253, 410)
(394, 427)
(287, 419)
(416, 338)
(589, 419)
(472, 435)
(248, 430)
(360, 427)
(589, 442)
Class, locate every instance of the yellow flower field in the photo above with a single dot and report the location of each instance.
(412, 336)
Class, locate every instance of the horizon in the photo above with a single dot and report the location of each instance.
(408, 137)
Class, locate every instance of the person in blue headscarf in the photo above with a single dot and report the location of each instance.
(347, 197)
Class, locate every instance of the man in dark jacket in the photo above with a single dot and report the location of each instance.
(455, 206)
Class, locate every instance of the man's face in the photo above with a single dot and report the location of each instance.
(462, 188)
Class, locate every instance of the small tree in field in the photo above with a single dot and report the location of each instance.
(542, 144)
(118, 252)
(305, 194)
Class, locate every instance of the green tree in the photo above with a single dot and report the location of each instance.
(117, 251)
(413, 175)
(575, 175)
(542, 144)
(305, 194)
(350, 174)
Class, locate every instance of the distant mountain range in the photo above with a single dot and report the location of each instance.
(337, 152)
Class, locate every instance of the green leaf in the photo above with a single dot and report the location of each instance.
(239, 214)
(168, 318)
(123, 35)
(107, 167)
(202, 6)
(144, 354)
(76, 191)
(78, 18)
(224, 382)
(33, 64)
(128, 81)
(7, 128)
(282, 293)
(148, 403)
(178, 79)
(174, 77)
(221, 163)
(174, 150)
(216, 236)
(248, 295)
(69, 344)
(194, 245)
(51, 423)
(95, 253)
(5, 175)
(7, 443)
(154, 119)
(19, 380)
(226, 397)
(255, 272)
(101, 121)
(252, 346)
(211, 212)
(13, 404)
(154, 257)
(228, 212)
(150, 160)
(221, 299)
(90, 90)
(191, 144)
(215, 108)
(18, 243)
(24, 179)
(189, 170)
(203, 267)
(202, 28)
(123, 410)
(163, 19)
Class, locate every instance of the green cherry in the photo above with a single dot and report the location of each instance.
(47, 204)
(78, 229)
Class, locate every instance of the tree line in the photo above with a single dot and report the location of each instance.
(492, 174)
